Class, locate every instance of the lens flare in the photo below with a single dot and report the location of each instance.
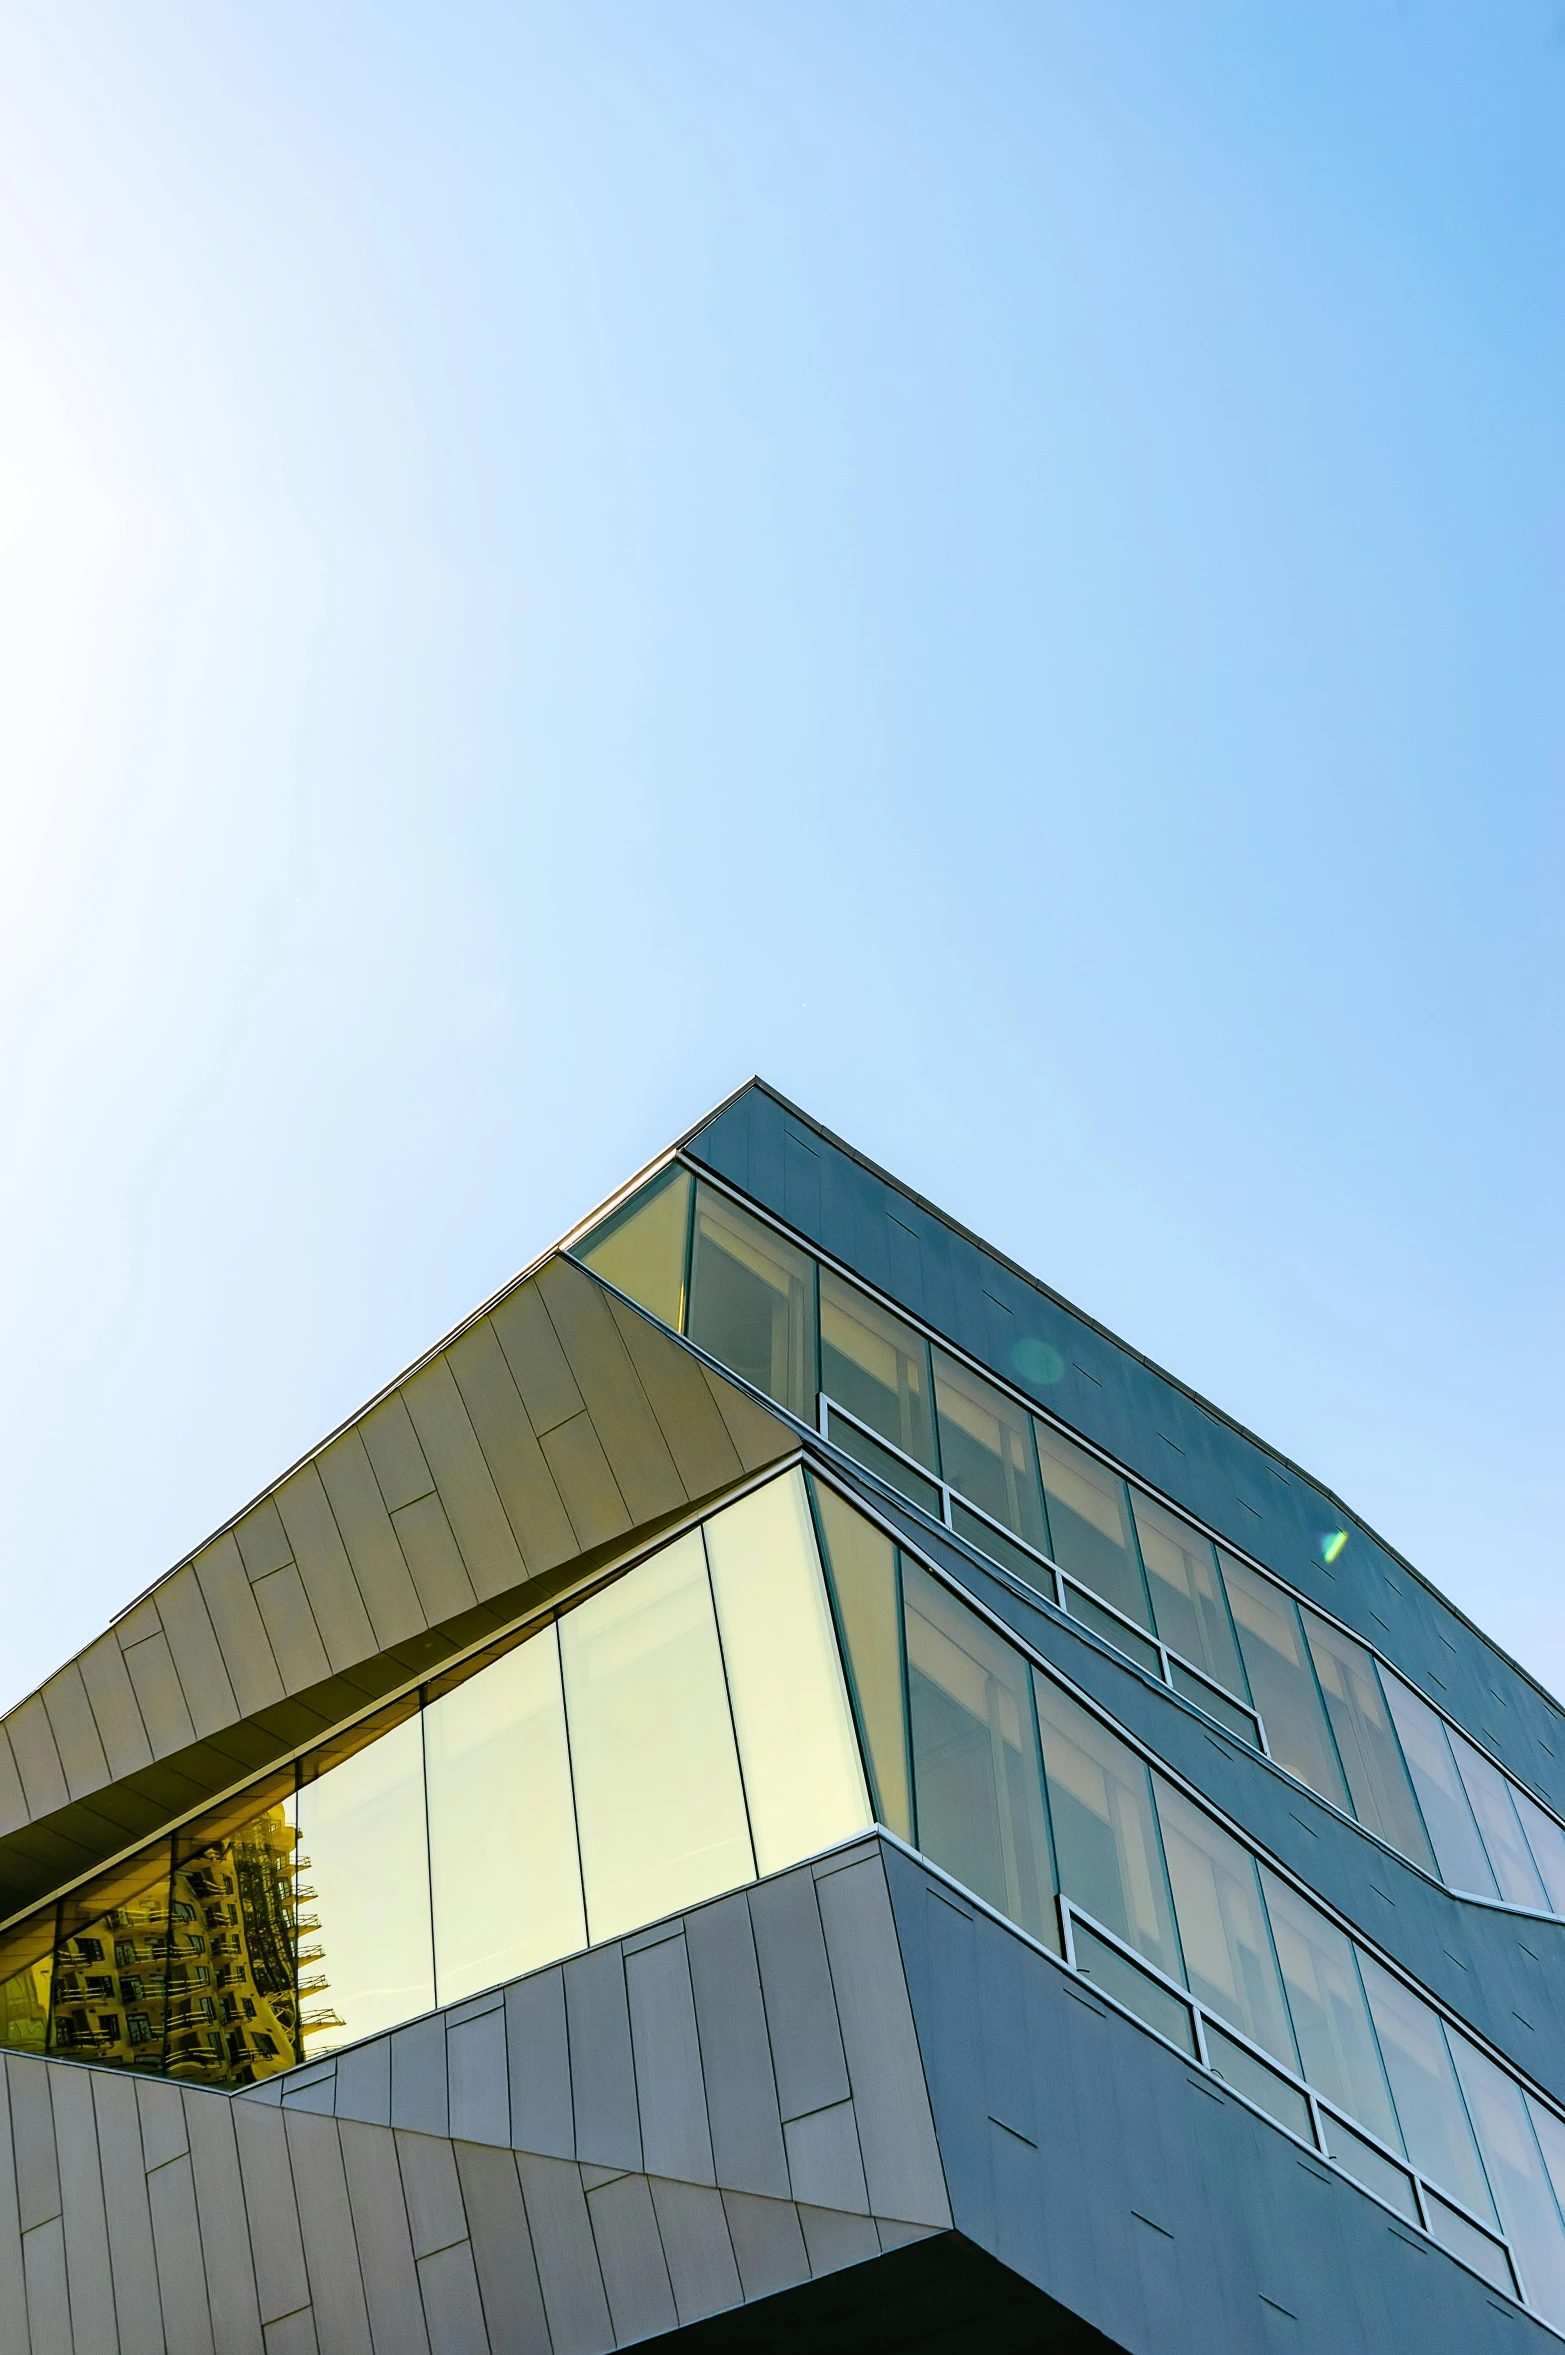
(1332, 1546)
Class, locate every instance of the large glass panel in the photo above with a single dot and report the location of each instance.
(1551, 2141)
(862, 1565)
(504, 1873)
(28, 1964)
(752, 1302)
(1529, 2215)
(640, 1248)
(986, 1449)
(1510, 1858)
(1464, 1863)
(797, 1749)
(877, 1367)
(1106, 1843)
(363, 1891)
(1366, 1741)
(658, 1798)
(976, 1778)
(1337, 2045)
(1089, 1524)
(233, 2003)
(1229, 1963)
(1187, 1596)
(1282, 1681)
(1433, 2116)
(1547, 1842)
(112, 1969)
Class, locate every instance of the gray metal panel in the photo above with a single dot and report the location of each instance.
(479, 2084)
(237, 1624)
(330, 2251)
(516, 1462)
(294, 2334)
(88, 2268)
(48, 2294)
(13, 2297)
(539, 2066)
(801, 2014)
(675, 2138)
(697, 2247)
(37, 1757)
(364, 2082)
(895, 2129)
(127, 2213)
(116, 1711)
(225, 2231)
(502, 2251)
(434, 1559)
(538, 1364)
(452, 2306)
(282, 2285)
(360, 1513)
(32, 2139)
(741, 2093)
(14, 1809)
(432, 2191)
(290, 1628)
(635, 2275)
(643, 1468)
(824, 2163)
(316, 2093)
(418, 2076)
(473, 1508)
(262, 1540)
(75, 1731)
(323, 1565)
(385, 2243)
(581, 1472)
(198, 1661)
(568, 2270)
(704, 1455)
(398, 1462)
(163, 2135)
(603, 2076)
(834, 2240)
(176, 2242)
(768, 2243)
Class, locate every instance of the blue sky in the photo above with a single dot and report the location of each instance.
(999, 564)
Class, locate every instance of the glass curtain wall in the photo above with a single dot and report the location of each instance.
(681, 1729)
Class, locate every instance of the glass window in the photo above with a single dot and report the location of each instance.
(658, 1797)
(1282, 1681)
(861, 1561)
(233, 1907)
(1366, 1740)
(1187, 1596)
(1464, 1863)
(363, 1867)
(752, 1302)
(1089, 1524)
(1105, 1832)
(1547, 1842)
(1229, 1963)
(116, 1968)
(797, 1750)
(976, 1778)
(1510, 1858)
(1551, 2142)
(877, 1367)
(640, 1248)
(1529, 2216)
(504, 1872)
(1429, 2105)
(24, 1992)
(1337, 2046)
(986, 1450)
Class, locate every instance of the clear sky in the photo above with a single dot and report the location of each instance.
(998, 562)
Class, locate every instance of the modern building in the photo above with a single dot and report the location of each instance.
(781, 1789)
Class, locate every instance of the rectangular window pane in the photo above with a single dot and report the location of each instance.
(1551, 2142)
(1229, 1963)
(504, 1871)
(113, 1969)
(24, 1991)
(862, 1564)
(1475, 2248)
(1463, 1860)
(1433, 2116)
(877, 1367)
(640, 1248)
(1113, 1630)
(1227, 1713)
(233, 1907)
(797, 1748)
(1366, 1740)
(363, 1867)
(1282, 1681)
(752, 1302)
(1529, 2216)
(986, 1449)
(869, 1452)
(1187, 1597)
(1547, 1842)
(1135, 1988)
(1510, 1858)
(1000, 1548)
(1250, 2076)
(658, 1798)
(1089, 1524)
(976, 1780)
(1370, 2167)
(1337, 2046)
(1105, 1832)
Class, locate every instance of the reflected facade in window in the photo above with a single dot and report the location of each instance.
(752, 1302)
(877, 1367)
